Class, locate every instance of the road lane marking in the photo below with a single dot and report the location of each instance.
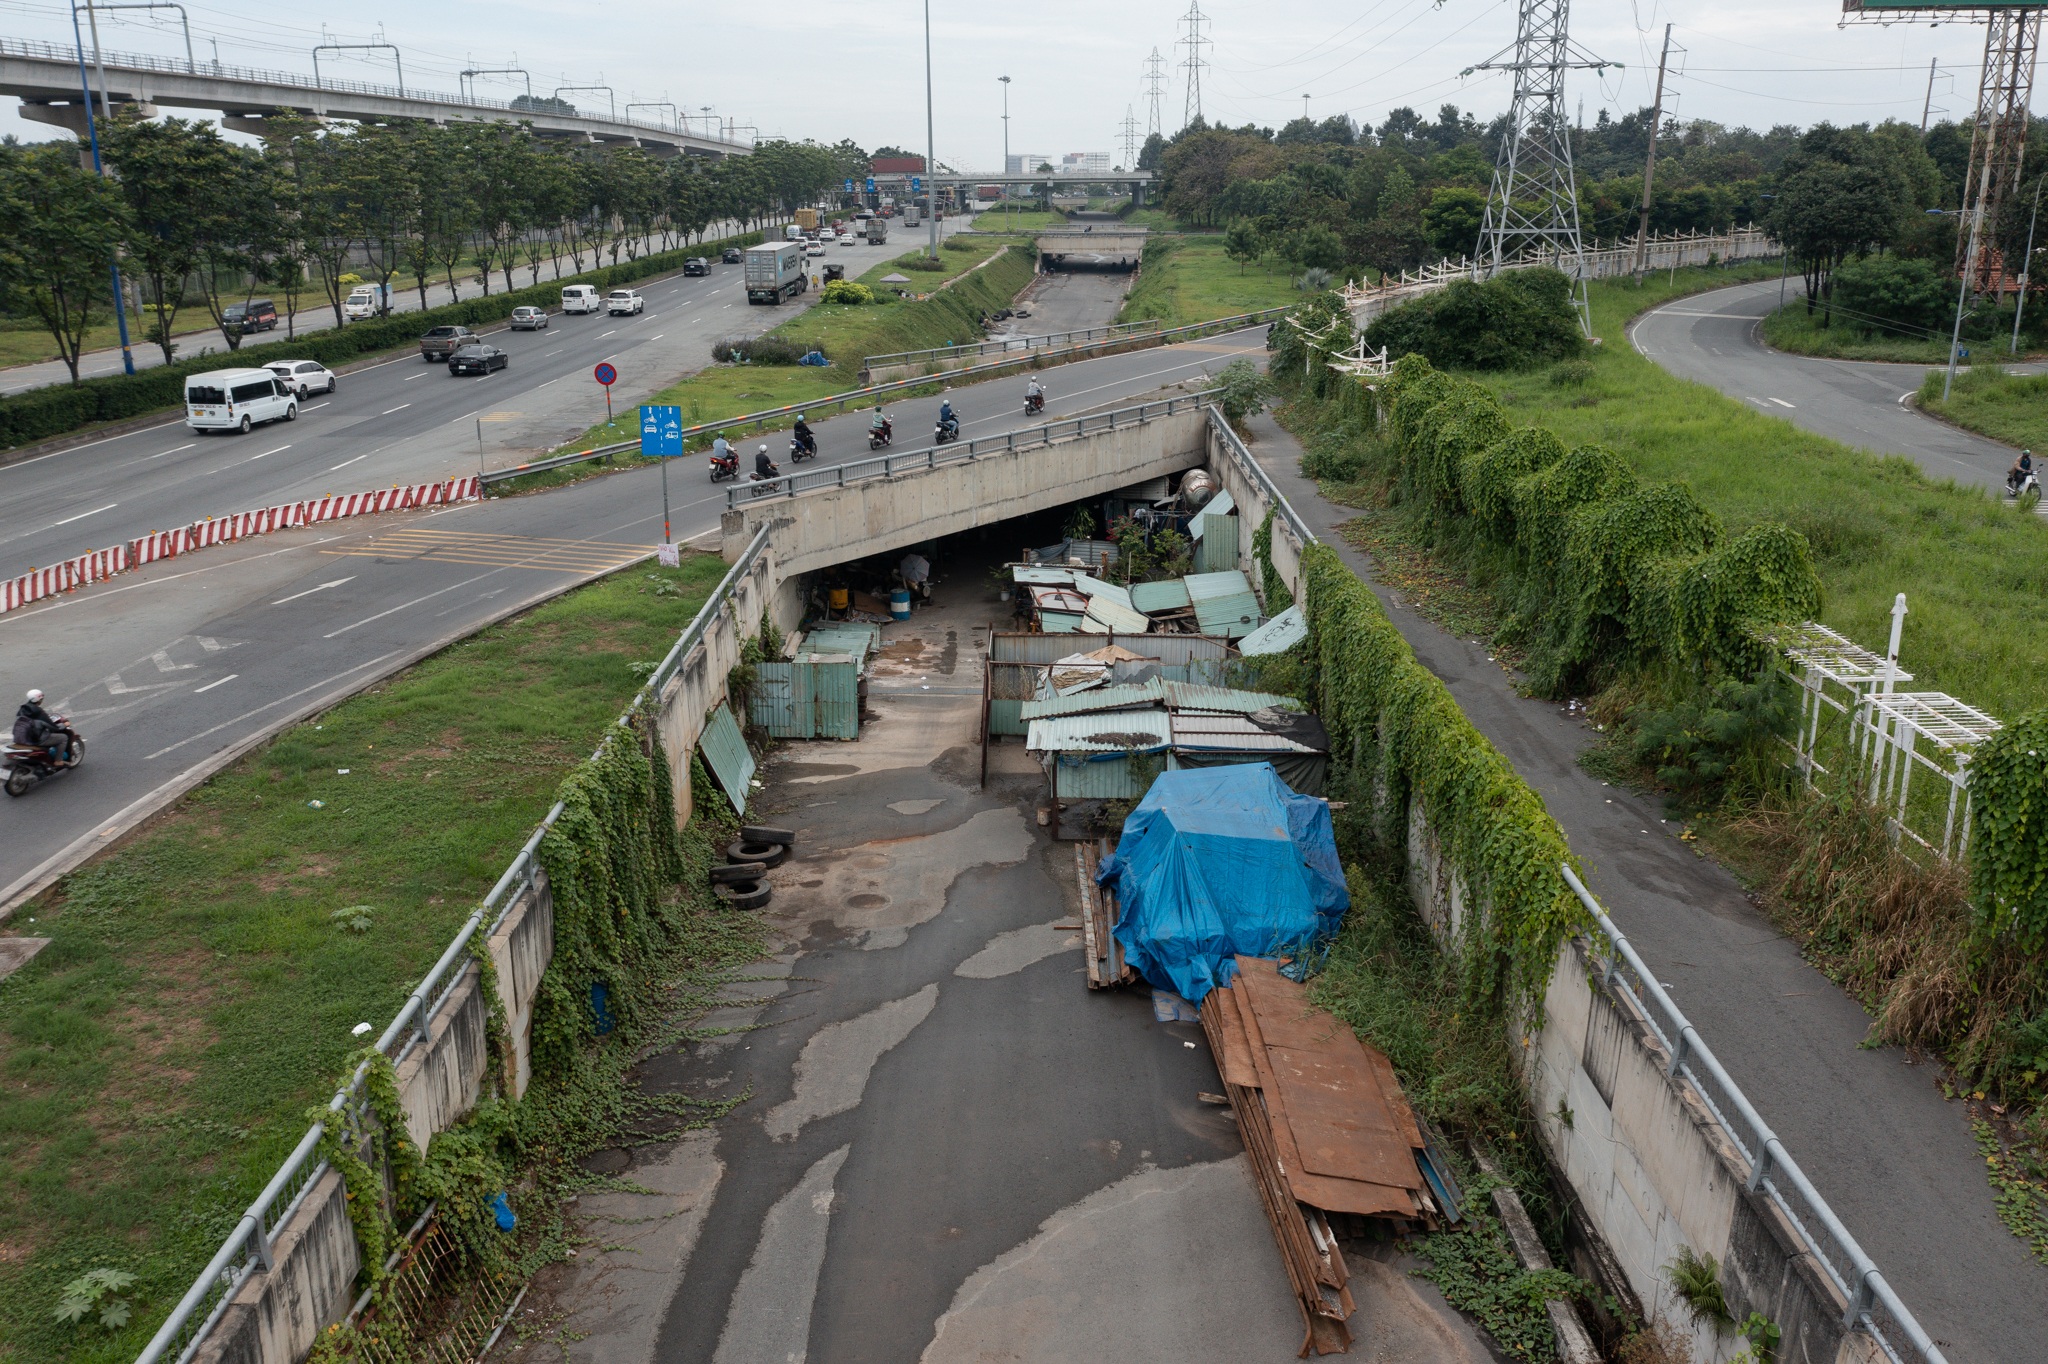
(311, 590)
(173, 450)
(314, 408)
(82, 515)
(250, 714)
(657, 336)
(409, 380)
(400, 408)
(556, 351)
(556, 380)
(267, 454)
(1781, 402)
(211, 685)
(602, 335)
(345, 463)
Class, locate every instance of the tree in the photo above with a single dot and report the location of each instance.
(1395, 238)
(59, 227)
(1838, 203)
(1150, 154)
(1242, 243)
(1453, 219)
(1316, 247)
(165, 172)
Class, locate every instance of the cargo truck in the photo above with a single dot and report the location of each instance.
(775, 271)
(877, 231)
(807, 219)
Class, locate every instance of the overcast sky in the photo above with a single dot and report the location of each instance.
(854, 68)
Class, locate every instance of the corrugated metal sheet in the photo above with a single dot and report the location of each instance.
(1096, 699)
(1183, 696)
(779, 702)
(1089, 625)
(1276, 636)
(1116, 732)
(1105, 776)
(725, 752)
(1228, 733)
(1004, 717)
(1222, 583)
(1219, 505)
(858, 639)
(1059, 622)
(835, 696)
(1231, 617)
(1096, 553)
(1217, 550)
(1117, 617)
(1027, 646)
(1171, 595)
(1048, 577)
(1063, 599)
(1096, 589)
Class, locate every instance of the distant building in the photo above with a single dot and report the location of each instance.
(1026, 163)
(1085, 163)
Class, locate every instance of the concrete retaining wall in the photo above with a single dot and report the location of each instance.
(276, 1315)
(1252, 506)
(699, 683)
(833, 525)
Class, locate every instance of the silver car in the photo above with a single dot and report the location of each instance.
(303, 376)
(526, 319)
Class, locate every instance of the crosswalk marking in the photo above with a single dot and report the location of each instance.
(495, 551)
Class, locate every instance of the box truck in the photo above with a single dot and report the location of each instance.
(775, 271)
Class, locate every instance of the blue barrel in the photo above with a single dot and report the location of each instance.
(899, 604)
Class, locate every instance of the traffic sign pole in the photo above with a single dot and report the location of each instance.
(606, 375)
(661, 435)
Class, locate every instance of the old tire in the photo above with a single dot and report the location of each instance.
(767, 854)
(732, 873)
(767, 833)
(745, 895)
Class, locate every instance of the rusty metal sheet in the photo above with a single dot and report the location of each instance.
(1234, 1057)
(1341, 1124)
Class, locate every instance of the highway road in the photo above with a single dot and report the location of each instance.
(402, 420)
(315, 314)
(1715, 338)
(169, 668)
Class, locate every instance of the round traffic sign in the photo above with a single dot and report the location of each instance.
(606, 375)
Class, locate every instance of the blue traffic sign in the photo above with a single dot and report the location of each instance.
(661, 430)
(871, 184)
(849, 186)
(605, 374)
(915, 184)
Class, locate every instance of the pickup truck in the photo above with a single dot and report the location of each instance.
(442, 342)
(624, 303)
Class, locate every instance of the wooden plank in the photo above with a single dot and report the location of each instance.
(1232, 1051)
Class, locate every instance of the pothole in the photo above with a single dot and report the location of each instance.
(867, 901)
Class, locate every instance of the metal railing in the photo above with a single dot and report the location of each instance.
(1256, 472)
(1872, 1305)
(855, 396)
(1005, 345)
(37, 50)
(249, 1246)
(958, 452)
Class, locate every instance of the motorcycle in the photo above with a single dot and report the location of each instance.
(1034, 403)
(801, 449)
(724, 468)
(2027, 491)
(879, 436)
(28, 764)
(944, 432)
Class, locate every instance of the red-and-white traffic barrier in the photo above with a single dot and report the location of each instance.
(38, 583)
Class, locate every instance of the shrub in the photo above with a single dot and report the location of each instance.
(1910, 294)
(763, 350)
(1515, 320)
(847, 291)
(1245, 388)
(921, 263)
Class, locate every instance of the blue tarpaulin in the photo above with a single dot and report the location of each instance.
(1218, 861)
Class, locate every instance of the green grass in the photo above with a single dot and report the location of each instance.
(1791, 329)
(1187, 281)
(2008, 407)
(31, 345)
(1974, 570)
(161, 1053)
(1159, 220)
(1016, 219)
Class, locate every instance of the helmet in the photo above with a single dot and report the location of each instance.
(35, 695)
(764, 447)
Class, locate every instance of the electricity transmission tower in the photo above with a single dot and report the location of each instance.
(1533, 207)
(1193, 65)
(1998, 144)
(1155, 87)
(1129, 130)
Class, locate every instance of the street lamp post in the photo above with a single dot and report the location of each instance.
(93, 136)
(931, 160)
(1955, 340)
(2026, 267)
(1006, 143)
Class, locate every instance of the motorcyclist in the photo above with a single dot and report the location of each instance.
(2021, 467)
(880, 422)
(946, 417)
(37, 728)
(1034, 394)
(721, 450)
(804, 436)
(764, 467)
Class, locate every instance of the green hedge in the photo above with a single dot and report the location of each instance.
(1399, 737)
(44, 412)
(1611, 571)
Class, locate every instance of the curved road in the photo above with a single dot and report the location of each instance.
(1715, 338)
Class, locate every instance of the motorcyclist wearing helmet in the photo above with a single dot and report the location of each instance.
(804, 436)
(2021, 467)
(946, 417)
(35, 727)
(764, 467)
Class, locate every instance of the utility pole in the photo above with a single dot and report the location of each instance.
(99, 168)
(1155, 88)
(1534, 201)
(1006, 123)
(1927, 105)
(1650, 165)
(2027, 266)
(931, 144)
(1194, 43)
(1304, 106)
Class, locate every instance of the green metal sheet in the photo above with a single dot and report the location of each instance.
(835, 696)
(1233, 617)
(779, 702)
(1059, 622)
(725, 753)
(858, 638)
(1117, 617)
(1171, 595)
(1216, 550)
(1276, 636)
(1005, 717)
(1187, 696)
(1222, 583)
(1219, 505)
(1096, 699)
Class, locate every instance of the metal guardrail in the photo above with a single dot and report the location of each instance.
(1873, 1306)
(249, 1246)
(1006, 345)
(746, 494)
(38, 50)
(1256, 472)
(841, 401)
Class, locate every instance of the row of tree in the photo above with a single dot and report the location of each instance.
(1334, 195)
(196, 217)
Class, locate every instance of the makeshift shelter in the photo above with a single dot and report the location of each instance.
(1221, 862)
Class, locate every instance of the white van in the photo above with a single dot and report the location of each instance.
(581, 298)
(237, 399)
